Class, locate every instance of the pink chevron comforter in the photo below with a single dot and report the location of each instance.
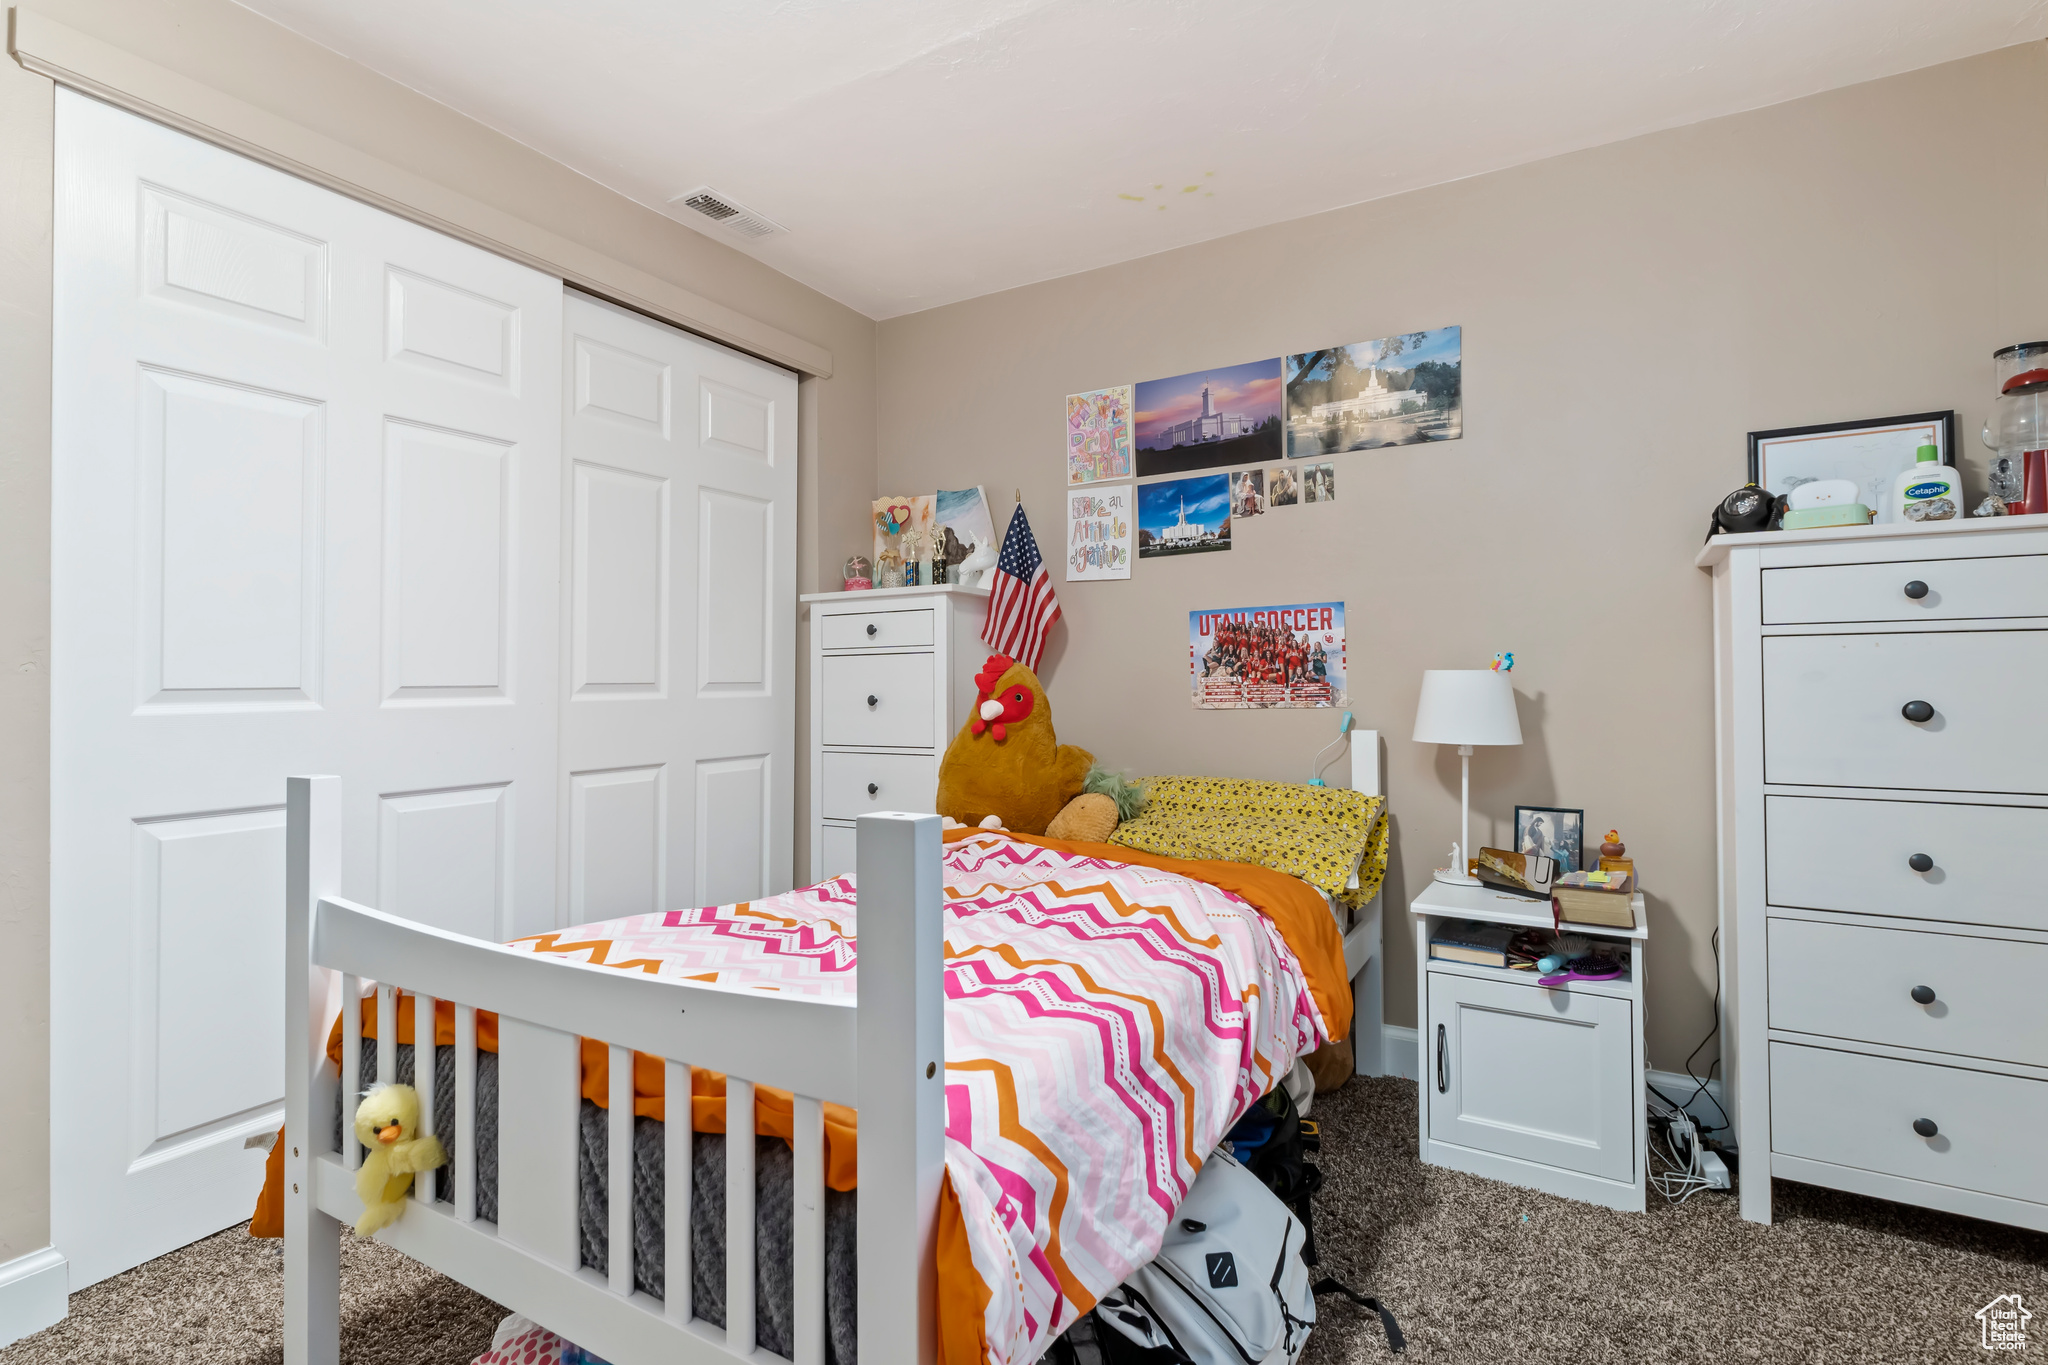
(1106, 1023)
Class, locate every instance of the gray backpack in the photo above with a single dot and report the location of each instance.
(1230, 1285)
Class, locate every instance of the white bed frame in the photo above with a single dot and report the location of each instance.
(1363, 961)
(883, 1056)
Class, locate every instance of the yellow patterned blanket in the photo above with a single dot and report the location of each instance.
(1315, 833)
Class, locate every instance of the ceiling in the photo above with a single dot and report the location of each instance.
(926, 151)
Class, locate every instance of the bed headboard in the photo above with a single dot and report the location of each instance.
(1365, 762)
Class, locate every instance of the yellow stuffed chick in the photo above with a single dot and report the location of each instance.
(388, 1123)
(1006, 761)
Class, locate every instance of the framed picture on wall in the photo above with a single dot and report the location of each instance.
(1868, 454)
(1553, 832)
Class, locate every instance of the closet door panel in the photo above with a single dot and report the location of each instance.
(306, 512)
(680, 570)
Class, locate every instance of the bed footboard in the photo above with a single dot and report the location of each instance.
(883, 1055)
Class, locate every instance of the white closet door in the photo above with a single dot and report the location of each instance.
(679, 728)
(306, 518)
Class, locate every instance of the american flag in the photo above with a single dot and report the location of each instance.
(1021, 607)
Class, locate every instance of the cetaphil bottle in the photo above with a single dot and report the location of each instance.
(1929, 491)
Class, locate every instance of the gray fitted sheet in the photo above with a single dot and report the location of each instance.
(774, 1188)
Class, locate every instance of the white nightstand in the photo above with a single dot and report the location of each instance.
(1535, 1085)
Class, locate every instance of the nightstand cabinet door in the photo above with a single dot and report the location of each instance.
(1542, 1075)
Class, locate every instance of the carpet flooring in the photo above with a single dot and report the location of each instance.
(1478, 1273)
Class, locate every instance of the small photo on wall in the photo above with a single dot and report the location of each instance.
(1184, 516)
(1554, 833)
(1319, 483)
(1209, 419)
(1283, 489)
(1099, 435)
(1247, 492)
(1396, 391)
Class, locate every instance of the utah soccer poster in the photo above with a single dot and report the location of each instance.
(1254, 658)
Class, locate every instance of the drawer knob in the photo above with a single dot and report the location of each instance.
(1925, 1127)
(873, 700)
(872, 789)
(1920, 862)
(1915, 590)
(1919, 712)
(1923, 995)
(871, 624)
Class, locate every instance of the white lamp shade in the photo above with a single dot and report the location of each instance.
(1466, 706)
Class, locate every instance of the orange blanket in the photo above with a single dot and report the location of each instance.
(1297, 910)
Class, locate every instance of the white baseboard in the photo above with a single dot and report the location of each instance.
(1683, 1089)
(34, 1292)
(1402, 1059)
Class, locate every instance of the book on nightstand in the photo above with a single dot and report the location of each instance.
(1482, 945)
(1603, 898)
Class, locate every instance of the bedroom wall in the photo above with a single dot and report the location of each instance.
(26, 126)
(237, 53)
(1630, 312)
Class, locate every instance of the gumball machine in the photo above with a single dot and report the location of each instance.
(2017, 431)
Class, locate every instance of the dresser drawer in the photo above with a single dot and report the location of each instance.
(1835, 853)
(837, 845)
(1834, 710)
(1856, 1110)
(1949, 590)
(1848, 981)
(878, 630)
(878, 699)
(854, 784)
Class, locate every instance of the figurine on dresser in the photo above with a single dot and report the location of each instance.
(980, 559)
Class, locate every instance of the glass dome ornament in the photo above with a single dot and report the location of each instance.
(2017, 431)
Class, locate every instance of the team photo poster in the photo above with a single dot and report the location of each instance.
(1255, 658)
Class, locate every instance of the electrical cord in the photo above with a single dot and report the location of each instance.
(1699, 1082)
(1316, 764)
(1678, 1140)
(1677, 1146)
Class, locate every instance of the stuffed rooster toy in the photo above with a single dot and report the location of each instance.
(1006, 761)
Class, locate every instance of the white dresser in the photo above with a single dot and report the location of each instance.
(1882, 810)
(892, 678)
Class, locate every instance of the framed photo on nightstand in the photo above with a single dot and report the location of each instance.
(1552, 831)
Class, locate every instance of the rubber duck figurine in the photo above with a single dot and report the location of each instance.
(388, 1123)
(1614, 847)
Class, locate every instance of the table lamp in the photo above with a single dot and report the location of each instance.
(1465, 706)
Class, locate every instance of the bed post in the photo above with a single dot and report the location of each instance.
(902, 1084)
(1368, 1004)
(312, 1240)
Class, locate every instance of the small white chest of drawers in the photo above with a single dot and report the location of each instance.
(892, 678)
(1882, 793)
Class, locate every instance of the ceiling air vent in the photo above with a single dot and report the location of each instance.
(722, 210)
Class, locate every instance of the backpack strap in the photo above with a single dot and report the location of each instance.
(1330, 1285)
(1146, 1318)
